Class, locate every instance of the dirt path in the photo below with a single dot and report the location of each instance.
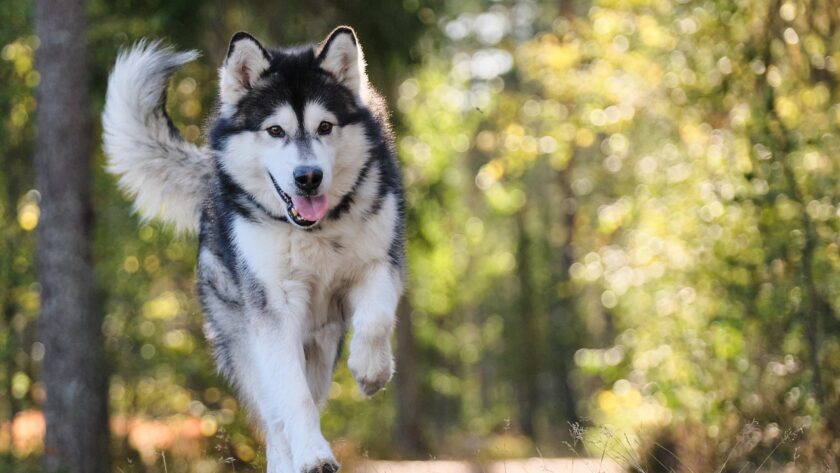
(533, 465)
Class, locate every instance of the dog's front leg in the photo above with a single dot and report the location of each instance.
(374, 304)
(285, 402)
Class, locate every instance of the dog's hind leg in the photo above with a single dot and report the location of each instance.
(321, 356)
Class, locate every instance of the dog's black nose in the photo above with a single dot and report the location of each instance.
(308, 178)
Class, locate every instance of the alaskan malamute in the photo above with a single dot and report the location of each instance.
(298, 203)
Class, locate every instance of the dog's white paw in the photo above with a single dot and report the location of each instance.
(316, 460)
(371, 363)
(322, 466)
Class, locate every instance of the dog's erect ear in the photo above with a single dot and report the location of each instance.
(246, 61)
(341, 55)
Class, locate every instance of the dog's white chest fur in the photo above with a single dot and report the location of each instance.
(325, 262)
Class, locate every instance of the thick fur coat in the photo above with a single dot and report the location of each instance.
(298, 203)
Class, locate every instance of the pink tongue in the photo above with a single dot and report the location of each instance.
(310, 208)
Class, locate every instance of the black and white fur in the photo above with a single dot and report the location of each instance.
(278, 291)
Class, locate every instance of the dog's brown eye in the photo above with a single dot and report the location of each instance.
(325, 128)
(276, 132)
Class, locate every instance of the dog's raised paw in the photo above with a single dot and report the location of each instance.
(369, 387)
(371, 366)
(325, 466)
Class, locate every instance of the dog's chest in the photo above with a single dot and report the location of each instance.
(281, 255)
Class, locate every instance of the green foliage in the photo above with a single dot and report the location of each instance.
(666, 186)
(621, 214)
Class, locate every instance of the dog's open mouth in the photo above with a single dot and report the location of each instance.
(304, 211)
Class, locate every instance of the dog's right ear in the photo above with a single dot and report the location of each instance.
(246, 61)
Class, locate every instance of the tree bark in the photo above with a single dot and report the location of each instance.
(567, 8)
(73, 369)
(409, 435)
(564, 329)
(528, 332)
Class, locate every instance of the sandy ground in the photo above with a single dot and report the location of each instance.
(533, 465)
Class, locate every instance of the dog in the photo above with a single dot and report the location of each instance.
(297, 200)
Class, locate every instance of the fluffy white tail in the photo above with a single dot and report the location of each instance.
(166, 175)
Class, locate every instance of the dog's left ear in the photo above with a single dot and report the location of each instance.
(246, 61)
(341, 55)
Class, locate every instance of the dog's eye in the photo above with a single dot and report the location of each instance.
(325, 128)
(276, 132)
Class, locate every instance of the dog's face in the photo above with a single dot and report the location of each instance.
(290, 130)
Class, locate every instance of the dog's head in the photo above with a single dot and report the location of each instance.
(291, 130)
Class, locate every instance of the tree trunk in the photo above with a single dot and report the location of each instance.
(564, 327)
(73, 368)
(528, 332)
(567, 8)
(409, 437)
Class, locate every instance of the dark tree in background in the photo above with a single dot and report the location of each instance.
(73, 368)
(408, 431)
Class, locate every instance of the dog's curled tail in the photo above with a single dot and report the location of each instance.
(167, 175)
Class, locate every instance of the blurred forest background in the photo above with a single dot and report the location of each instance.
(623, 236)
